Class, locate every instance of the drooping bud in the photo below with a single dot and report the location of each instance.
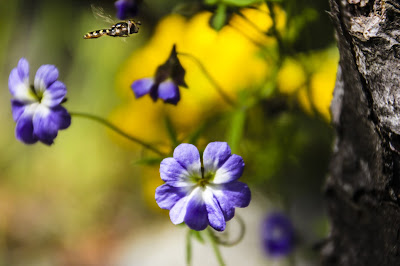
(173, 69)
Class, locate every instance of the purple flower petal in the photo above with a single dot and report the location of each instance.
(47, 122)
(61, 117)
(17, 109)
(230, 171)
(19, 77)
(23, 69)
(126, 9)
(215, 216)
(174, 174)
(24, 129)
(278, 235)
(188, 157)
(178, 211)
(142, 86)
(167, 196)
(196, 211)
(14, 81)
(231, 195)
(169, 92)
(215, 155)
(45, 76)
(54, 94)
(19, 87)
(44, 127)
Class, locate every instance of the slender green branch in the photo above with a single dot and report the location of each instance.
(215, 247)
(118, 131)
(221, 92)
(251, 23)
(256, 43)
(275, 31)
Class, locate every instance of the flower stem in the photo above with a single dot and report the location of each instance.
(275, 31)
(221, 92)
(118, 131)
(189, 248)
(215, 247)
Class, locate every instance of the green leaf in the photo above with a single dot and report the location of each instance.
(187, 9)
(220, 18)
(241, 3)
(211, 2)
(235, 132)
(298, 23)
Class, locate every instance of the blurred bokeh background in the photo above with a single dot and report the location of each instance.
(89, 198)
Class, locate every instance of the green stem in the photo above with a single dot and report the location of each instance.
(221, 92)
(256, 43)
(250, 22)
(215, 247)
(118, 131)
(244, 33)
(189, 248)
(275, 31)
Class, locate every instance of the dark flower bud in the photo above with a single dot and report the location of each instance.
(165, 83)
(173, 69)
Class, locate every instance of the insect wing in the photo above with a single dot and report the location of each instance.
(99, 13)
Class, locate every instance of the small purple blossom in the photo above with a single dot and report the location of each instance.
(165, 84)
(166, 90)
(37, 108)
(127, 8)
(202, 196)
(278, 235)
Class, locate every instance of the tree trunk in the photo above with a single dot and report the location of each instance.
(363, 189)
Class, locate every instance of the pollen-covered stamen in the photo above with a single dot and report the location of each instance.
(202, 182)
(204, 179)
(38, 94)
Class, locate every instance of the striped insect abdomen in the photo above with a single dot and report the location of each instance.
(96, 34)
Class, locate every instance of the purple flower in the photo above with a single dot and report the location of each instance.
(278, 235)
(202, 196)
(37, 108)
(127, 8)
(165, 85)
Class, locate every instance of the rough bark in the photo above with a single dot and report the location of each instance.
(363, 189)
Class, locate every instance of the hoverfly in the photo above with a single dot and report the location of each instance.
(120, 29)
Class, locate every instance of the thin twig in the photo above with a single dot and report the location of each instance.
(221, 92)
(118, 131)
